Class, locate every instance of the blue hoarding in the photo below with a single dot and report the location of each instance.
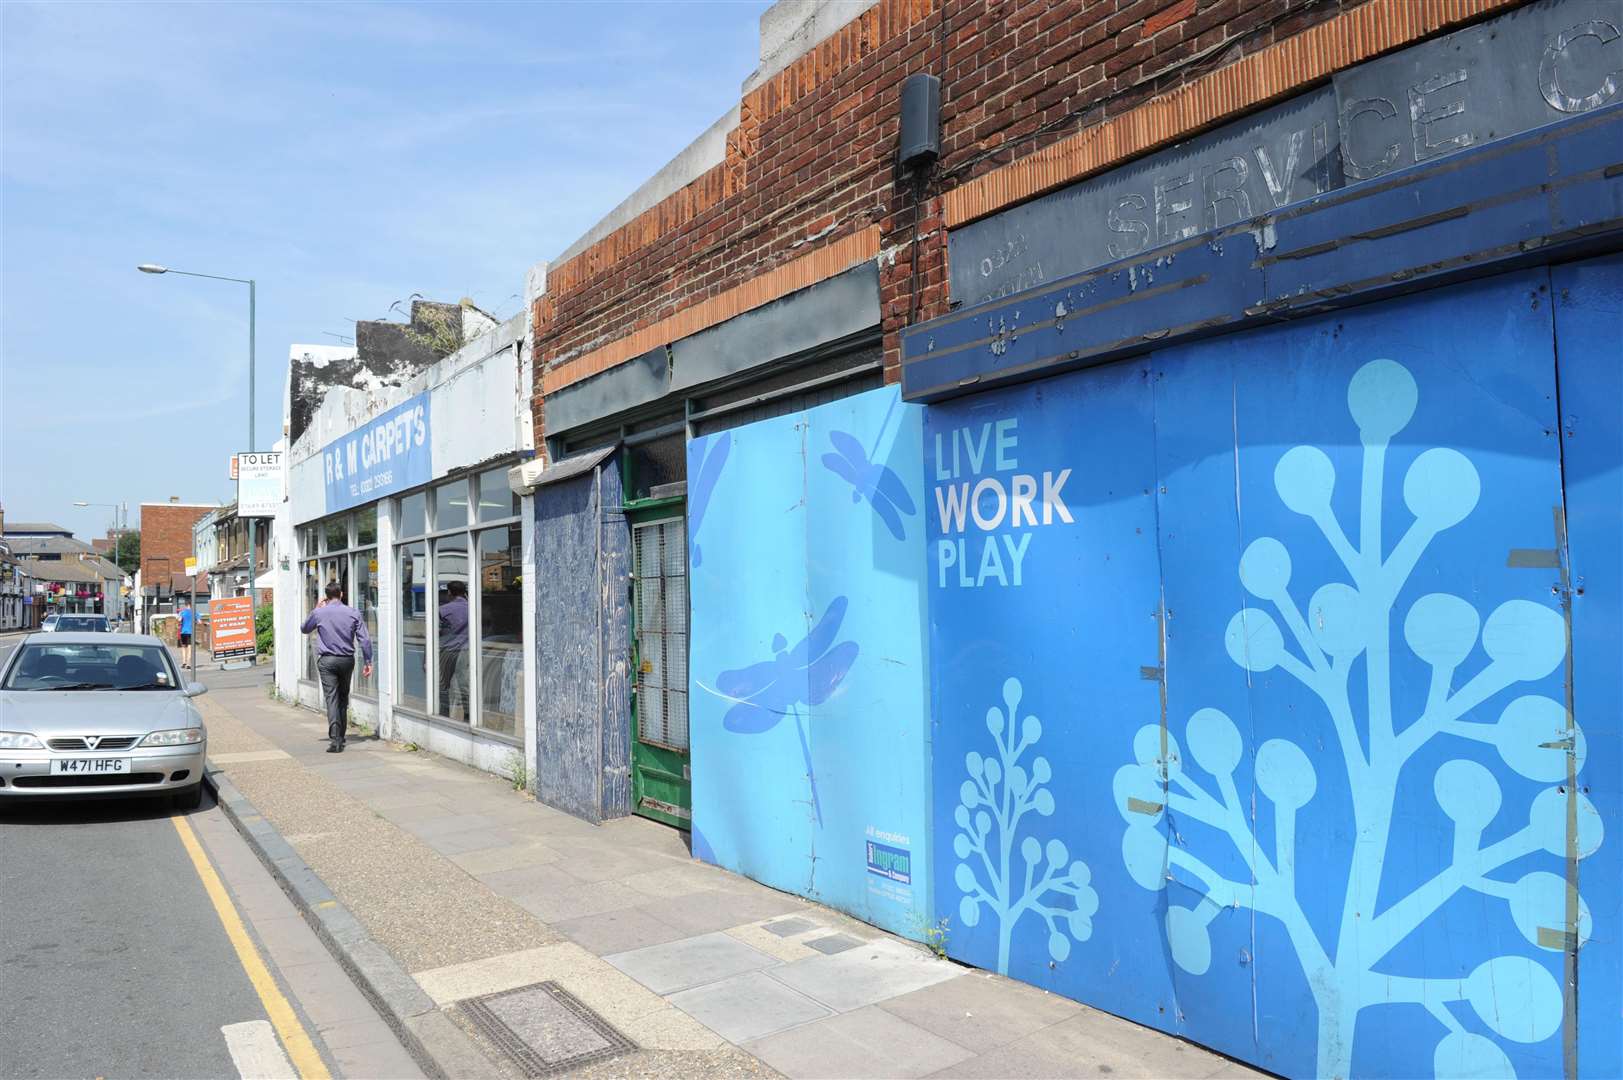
(807, 675)
(1248, 664)
(389, 453)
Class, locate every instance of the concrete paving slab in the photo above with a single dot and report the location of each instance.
(981, 1011)
(512, 857)
(867, 1042)
(794, 924)
(725, 1063)
(451, 823)
(535, 877)
(673, 881)
(572, 902)
(833, 943)
(748, 1006)
(248, 755)
(617, 931)
(860, 977)
(720, 909)
(689, 962)
(460, 843)
(783, 950)
(1093, 1044)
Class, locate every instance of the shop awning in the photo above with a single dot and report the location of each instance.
(534, 474)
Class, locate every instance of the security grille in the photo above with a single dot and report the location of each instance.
(662, 632)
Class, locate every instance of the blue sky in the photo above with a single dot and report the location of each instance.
(345, 156)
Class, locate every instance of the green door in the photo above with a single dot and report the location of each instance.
(660, 786)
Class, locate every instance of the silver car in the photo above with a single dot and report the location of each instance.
(94, 715)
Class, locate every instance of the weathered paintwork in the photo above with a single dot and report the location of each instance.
(581, 755)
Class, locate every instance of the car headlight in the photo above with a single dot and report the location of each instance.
(174, 737)
(19, 740)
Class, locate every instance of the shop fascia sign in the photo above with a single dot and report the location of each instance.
(1528, 68)
(391, 452)
(259, 483)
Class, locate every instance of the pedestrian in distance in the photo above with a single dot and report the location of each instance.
(339, 629)
(454, 650)
(184, 638)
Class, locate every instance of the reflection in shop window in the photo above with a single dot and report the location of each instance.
(453, 700)
(501, 657)
(413, 650)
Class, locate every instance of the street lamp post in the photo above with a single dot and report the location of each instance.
(253, 570)
(121, 526)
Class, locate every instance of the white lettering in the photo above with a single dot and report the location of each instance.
(951, 502)
(1006, 440)
(1549, 80)
(1024, 490)
(1422, 116)
(1053, 501)
(982, 521)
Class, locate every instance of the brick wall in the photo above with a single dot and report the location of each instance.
(1035, 94)
(166, 539)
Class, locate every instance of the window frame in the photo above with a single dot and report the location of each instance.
(471, 529)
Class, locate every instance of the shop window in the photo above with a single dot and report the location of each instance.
(312, 596)
(461, 622)
(366, 526)
(335, 534)
(501, 629)
(364, 598)
(413, 518)
(451, 506)
(452, 698)
(412, 651)
(496, 498)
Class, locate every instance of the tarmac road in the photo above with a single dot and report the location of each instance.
(138, 942)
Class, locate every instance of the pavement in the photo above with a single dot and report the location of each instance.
(450, 898)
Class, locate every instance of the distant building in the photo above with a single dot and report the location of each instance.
(166, 544)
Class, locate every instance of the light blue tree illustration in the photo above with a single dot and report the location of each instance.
(1515, 997)
(999, 793)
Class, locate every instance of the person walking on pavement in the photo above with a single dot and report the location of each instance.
(184, 637)
(338, 629)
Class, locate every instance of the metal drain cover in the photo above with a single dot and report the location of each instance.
(545, 1029)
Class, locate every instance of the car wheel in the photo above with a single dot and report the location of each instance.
(188, 798)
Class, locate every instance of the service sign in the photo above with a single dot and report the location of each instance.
(259, 484)
(390, 453)
(231, 623)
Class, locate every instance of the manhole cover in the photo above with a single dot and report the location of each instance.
(545, 1028)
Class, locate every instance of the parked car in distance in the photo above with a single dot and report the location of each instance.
(82, 624)
(50, 623)
(93, 715)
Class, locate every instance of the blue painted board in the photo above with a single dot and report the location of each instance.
(808, 683)
(1044, 597)
(1589, 330)
(1340, 850)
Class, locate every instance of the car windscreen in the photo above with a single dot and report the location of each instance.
(70, 666)
(81, 623)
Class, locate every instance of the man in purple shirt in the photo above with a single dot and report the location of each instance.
(338, 629)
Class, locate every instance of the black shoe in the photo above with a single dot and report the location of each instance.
(340, 747)
(333, 748)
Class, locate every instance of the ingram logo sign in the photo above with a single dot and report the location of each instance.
(891, 863)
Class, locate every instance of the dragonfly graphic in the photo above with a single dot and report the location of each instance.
(764, 693)
(711, 455)
(877, 483)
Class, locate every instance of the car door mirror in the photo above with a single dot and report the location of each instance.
(195, 689)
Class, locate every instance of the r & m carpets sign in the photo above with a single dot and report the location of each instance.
(390, 453)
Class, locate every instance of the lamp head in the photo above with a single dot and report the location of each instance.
(152, 268)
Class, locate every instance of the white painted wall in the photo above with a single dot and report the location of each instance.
(478, 409)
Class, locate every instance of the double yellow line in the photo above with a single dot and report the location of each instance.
(306, 1059)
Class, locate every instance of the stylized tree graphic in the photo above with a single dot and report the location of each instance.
(1515, 996)
(992, 802)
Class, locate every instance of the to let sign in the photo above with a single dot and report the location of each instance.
(259, 484)
(231, 622)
